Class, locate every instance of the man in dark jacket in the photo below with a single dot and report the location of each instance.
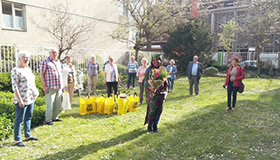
(194, 73)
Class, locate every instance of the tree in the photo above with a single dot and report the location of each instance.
(193, 38)
(66, 30)
(150, 19)
(227, 36)
(260, 21)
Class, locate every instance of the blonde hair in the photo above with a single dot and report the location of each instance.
(172, 60)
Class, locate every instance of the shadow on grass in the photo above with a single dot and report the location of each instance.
(83, 150)
(212, 133)
(88, 116)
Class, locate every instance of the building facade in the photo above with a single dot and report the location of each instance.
(19, 19)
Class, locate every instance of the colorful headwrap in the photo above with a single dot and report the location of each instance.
(156, 55)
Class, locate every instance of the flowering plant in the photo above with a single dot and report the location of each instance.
(158, 77)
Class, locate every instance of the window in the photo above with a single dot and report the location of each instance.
(13, 15)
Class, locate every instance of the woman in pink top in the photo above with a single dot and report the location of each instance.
(141, 74)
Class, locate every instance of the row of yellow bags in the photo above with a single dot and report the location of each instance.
(104, 105)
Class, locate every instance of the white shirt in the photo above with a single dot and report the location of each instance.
(109, 73)
(65, 71)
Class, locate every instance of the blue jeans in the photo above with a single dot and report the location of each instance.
(133, 77)
(25, 115)
(171, 83)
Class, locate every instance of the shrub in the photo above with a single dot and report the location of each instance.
(5, 82)
(39, 84)
(5, 127)
(211, 71)
(38, 115)
(123, 72)
(7, 110)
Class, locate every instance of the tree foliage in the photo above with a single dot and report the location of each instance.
(261, 19)
(193, 38)
(149, 20)
(227, 36)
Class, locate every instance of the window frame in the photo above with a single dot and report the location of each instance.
(14, 9)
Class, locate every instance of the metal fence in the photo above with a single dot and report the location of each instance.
(267, 58)
(81, 56)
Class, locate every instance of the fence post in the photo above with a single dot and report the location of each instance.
(16, 54)
(0, 58)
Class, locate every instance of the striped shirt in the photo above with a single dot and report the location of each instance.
(52, 71)
(132, 67)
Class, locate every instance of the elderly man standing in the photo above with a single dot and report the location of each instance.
(194, 73)
(51, 78)
(132, 70)
(93, 70)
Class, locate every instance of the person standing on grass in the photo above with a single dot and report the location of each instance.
(141, 72)
(69, 77)
(171, 70)
(111, 77)
(233, 80)
(156, 98)
(93, 70)
(51, 78)
(132, 70)
(194, 73)
(25, 94)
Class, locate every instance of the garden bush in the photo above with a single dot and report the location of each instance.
(211, 71)
(6, 83)
(5, 127)
(38, 115)
(7, 111)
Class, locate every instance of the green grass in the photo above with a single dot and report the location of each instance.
(194, 127)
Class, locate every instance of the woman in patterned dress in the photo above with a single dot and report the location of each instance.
(25, 94)
(155, 98)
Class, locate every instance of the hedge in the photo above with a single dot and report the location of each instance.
(7, 114)
(6, 83)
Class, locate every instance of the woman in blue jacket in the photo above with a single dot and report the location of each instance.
(171, 70)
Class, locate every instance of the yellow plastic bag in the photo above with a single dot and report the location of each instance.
(133, 103)
(100, 102)
(122, 106)
(83, 105)
(109, 105)
(93, 102)
(87, 106)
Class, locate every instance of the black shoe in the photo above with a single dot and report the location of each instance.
(50, 123)
(57, 120)
(32, 139)
(20, 144)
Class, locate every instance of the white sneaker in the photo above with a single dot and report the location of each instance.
(133, 87)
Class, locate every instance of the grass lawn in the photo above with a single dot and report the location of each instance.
(194, 127)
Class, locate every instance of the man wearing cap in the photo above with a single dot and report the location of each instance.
(51, 78)
(194, 73)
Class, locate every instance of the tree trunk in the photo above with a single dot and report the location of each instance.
(148, 41)
(136, 53)
(279, 57)
(259, 63)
